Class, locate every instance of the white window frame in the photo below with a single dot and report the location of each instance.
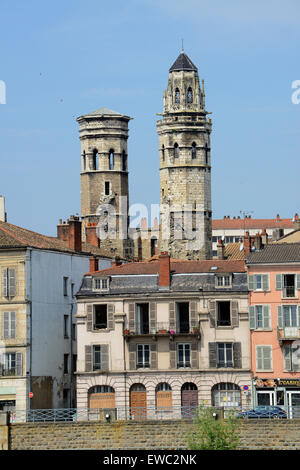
(221, 278)
(228, 362)
(186, 353)
(265, 315)
(101, 284)
(264, 276)
(144, 349)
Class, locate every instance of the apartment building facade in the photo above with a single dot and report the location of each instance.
(163, 334)
(274, 319)
(39, 278)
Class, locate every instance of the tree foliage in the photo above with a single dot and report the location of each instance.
(210, 433)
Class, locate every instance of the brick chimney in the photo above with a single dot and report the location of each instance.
(94, 264)
(264, 237)
(75, 233)
(246, 244)
(3, 217)
(117, 261)
(70, 232)
(91, 234)
(257, 242)
(220, 249)
(164, 270)
(296, 221)
(63, 231)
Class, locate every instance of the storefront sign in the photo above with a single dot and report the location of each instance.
(265, 383)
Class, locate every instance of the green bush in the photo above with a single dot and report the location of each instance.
(210, 433)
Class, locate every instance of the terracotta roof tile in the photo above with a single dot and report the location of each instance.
(14, 236)
(177, 267)
(219, 224)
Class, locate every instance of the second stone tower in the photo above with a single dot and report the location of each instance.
(185, 165)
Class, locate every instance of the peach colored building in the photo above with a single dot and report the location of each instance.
(274, 320)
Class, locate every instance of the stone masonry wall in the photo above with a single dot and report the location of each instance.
(148, 435)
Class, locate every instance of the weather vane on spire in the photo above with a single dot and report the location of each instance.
(182, 45)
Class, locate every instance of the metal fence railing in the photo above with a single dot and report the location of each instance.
(148, 413)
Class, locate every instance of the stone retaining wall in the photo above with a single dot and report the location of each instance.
(148, 435)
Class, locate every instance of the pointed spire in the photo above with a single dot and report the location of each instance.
(183, 62)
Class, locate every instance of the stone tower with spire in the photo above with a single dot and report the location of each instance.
(104, 179)
(185, 165)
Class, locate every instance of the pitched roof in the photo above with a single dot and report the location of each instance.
(151, 266)
(183, 62)
(12, 236)
(292, 237)
(276, 253)
(247, 223)
(234, 251)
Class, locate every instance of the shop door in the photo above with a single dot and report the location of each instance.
(189, 400)
(293, 404)
(265, 398)
(138, 402)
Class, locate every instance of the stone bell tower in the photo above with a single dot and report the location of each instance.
(104, 179)
(185, 165)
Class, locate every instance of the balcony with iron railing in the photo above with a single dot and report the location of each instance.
(163, 329)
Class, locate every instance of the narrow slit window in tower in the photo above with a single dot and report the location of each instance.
(190, 95)
(177, 96)
(111, 159)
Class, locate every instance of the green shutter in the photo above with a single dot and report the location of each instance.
(259, 358)
(267, 357)
(287, 357)
(266, 317)
(298, 281)
(250, 282)
(279, 317)
(265, 282)
(252, 317)
(278, 282)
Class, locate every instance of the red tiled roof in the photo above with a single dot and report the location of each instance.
(14, 236)
(219, 224)
(151, 266)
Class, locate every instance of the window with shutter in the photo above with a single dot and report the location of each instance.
(259, 317)
(153, 356)
(132, 356)
(212, 351)
(212, 313)
(9, 282)
(110, 316)
(132, 318)
(172, 316)
(88, 358)
(9, 325)
(172, 347)
(264, 358)
(235, 313)
(237, 355)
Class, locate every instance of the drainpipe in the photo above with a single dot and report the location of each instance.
(29, 301)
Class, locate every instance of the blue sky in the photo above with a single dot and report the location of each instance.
(61, 59)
